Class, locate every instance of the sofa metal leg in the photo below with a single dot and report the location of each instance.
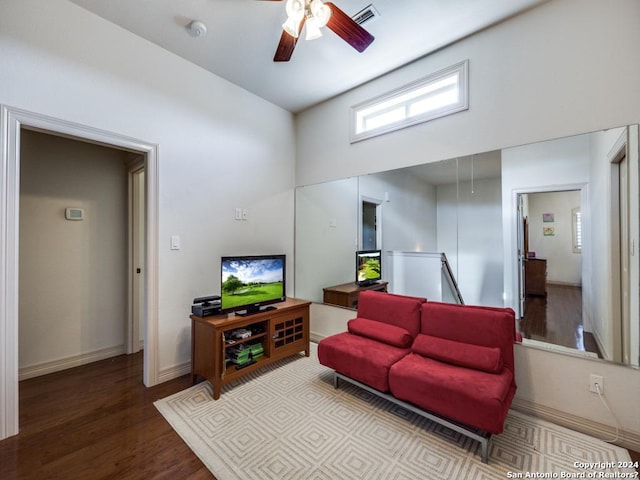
(480, 436)
(485, 450)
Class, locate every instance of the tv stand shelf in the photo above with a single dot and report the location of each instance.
(281, 332)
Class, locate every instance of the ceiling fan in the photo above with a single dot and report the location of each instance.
(315, 14)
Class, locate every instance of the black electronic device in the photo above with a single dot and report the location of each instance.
(206, 306)
(250, 284)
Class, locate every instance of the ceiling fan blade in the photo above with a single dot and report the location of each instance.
(347, 29)
(286, 45)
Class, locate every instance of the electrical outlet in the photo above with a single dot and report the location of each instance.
(599, 379)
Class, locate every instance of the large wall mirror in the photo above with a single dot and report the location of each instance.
(549, 229)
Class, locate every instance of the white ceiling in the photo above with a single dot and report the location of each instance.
(243, 34)
(464, 169)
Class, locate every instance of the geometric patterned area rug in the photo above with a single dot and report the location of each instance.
(286, 421)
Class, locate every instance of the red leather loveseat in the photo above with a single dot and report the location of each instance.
(452, 363)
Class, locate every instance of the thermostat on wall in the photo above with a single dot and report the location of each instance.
(74, 213)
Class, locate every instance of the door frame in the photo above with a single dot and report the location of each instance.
(11, 121)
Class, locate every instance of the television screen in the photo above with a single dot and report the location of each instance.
(251, 282)
(368, 266)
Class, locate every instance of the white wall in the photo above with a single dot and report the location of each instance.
(470, 233)
(220, 147)
(409, 216)
(326, 236)
(72, 273)
(563, 68)
(541, 75)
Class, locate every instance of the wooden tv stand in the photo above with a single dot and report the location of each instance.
(282, 332)
(346, 295)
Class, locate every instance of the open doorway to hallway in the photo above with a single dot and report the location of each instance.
(15, 120)
(76, 245)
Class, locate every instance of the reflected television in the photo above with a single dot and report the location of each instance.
(368, 267)
(251, 284)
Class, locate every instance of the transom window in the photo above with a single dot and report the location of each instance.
(439, 94)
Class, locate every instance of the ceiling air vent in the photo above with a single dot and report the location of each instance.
(366, 15)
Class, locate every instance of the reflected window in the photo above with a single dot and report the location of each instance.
(577, 230)
(439, 94)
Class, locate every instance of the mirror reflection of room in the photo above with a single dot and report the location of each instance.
(466, 209)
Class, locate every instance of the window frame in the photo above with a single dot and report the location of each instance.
(460, 69)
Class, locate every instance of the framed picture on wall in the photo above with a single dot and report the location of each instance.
(547, 217)
(548, 231)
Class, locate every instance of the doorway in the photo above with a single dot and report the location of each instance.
(73, 261)
(550, 242)
(370, 225)
(12, 120)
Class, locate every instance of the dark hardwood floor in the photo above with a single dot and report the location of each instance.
(557, 318)
(97, 422)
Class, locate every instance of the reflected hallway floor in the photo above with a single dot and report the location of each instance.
(557, 319)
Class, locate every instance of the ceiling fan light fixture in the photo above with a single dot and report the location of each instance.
(320, 11)
(313, 28)
(291, 26)
(295, 12)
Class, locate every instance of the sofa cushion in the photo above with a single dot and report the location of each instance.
(399, 310)
(360, 358)
(486, 359)
(484, 326)
(382, 332)
(473, 397)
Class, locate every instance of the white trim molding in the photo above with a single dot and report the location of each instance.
(625, 439)
(9, 181)
(45, 368)
(174, 372)
(11, 121)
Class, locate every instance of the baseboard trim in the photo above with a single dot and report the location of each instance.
(174, 372)
(45, 368)
(563, 284)
(315, 337)
(628, 440)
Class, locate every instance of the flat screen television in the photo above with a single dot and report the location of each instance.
(368, 267)
(249, 284)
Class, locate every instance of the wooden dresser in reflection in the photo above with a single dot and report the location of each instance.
(535, 276)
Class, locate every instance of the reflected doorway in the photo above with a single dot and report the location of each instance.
(371, 236)
(551, 282)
